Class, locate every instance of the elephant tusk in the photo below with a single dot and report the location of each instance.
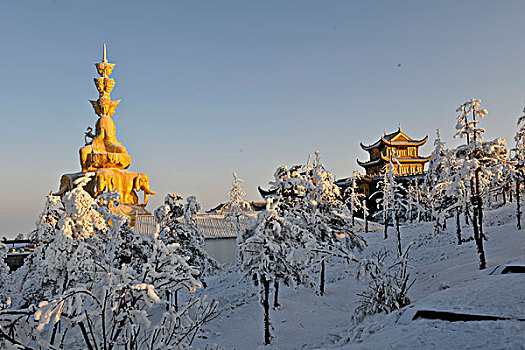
(148, 191)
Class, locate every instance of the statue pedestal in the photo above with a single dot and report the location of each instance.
(107, 160)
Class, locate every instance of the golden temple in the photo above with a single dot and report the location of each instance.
(106, 157)
(399, 146)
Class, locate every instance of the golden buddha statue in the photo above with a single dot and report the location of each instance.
(104, 151)
(104, 155)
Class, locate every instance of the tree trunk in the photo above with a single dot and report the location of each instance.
(266, 305)
(398, 235)
(365, 215)
(276, 294)
(321, 282)
(176, 299)
(458, 225)
(518, 207)
(475, 222)
(480, 206)
(385, 224)
(467, 214)
(353, 216)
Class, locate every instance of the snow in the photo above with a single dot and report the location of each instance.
(447, 278)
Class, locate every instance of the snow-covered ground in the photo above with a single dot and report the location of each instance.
(447, 279)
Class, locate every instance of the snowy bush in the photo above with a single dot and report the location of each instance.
(388, 286)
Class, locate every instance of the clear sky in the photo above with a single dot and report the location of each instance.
(211, 87)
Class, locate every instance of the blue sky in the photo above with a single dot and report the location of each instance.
(211, 87)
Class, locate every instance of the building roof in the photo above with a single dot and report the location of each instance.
(218, 226)
(397, 138)
(408, 159)
(369, 163)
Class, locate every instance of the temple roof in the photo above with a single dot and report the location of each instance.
(397, 138)
(403, 160)
(369, 163)
(408, 159)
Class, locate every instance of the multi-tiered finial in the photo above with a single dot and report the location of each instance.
(104, 84)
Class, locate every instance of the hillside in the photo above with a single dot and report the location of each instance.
(447, 279)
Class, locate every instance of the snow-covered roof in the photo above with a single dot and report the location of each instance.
(369, 163)
(217, 226)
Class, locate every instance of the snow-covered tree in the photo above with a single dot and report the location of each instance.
(4, 276)
(519, 164)
(177, 226)
(392, 202)
(236, 209)
(70, 246)
(236, 195)
(94, 283)
(413, 201)
(353, 196)
(469, 128)
(308, 195)
(328, 218)
(276, 249)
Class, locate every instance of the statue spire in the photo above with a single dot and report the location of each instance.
(103, 105)
(104, 59)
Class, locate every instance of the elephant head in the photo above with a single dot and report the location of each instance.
(104, 183)
(141, 182)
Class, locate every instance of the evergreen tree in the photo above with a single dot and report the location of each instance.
(275, 249)
(177, 221)
(353, 196)
(519, 164)
(393, 201)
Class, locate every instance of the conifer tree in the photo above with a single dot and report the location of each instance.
(519, 164)
(177, 221)
(353, 196)
(275, 249)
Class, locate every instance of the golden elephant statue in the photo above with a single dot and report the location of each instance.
(127, 183)
(135, 183)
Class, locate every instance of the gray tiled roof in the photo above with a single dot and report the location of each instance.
(217, 226)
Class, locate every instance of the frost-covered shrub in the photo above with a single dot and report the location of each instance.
(387, 288)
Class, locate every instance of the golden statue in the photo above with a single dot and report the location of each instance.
(104, 155)
(104, 151)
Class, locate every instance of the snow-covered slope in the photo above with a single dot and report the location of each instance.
(447, 279)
